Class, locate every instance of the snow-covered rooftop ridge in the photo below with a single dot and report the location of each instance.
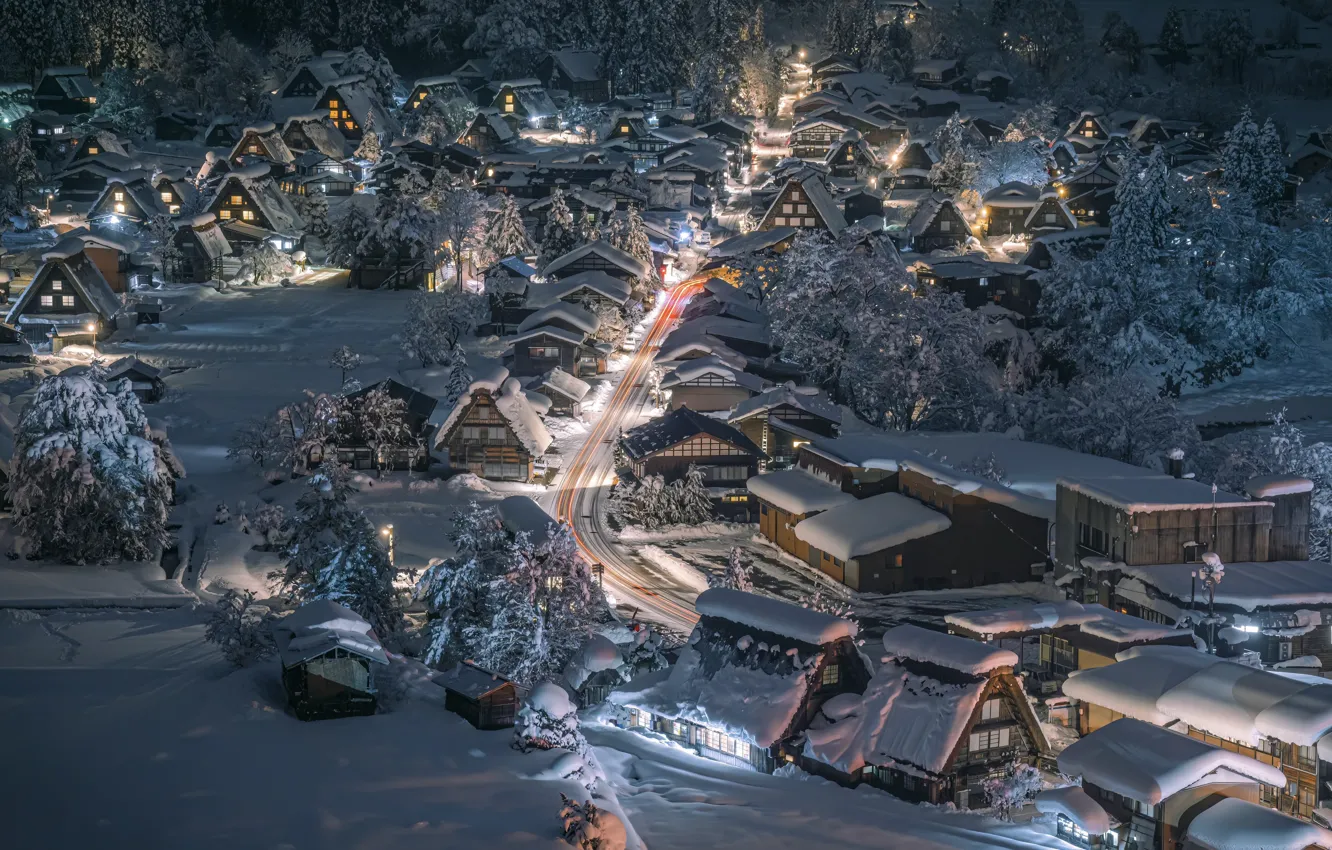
(1235, 824)
(797, 492)
(870, 525)
(523, 420)
(1147, 763)
(1153, 493)
(1263, 486)
(1025, 618)
(1116, 626)
(568, 385)
(944, 650)
(773, 615)
(574, 315)
(1163, 684)
(322, 625)
(1076, 805)
(1248, 585)
(808, 399)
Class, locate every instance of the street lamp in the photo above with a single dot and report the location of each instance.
(91, 328)
(387, 531)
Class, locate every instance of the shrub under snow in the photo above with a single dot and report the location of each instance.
(548, 720)
(241, 629)
(587, 827)
(652, 503)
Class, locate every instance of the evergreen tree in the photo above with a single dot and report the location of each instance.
(1140, 218)
(241, 628)
(369, 150)
(346, 361)
(360, 22)
(1228, 43)
(460, 212)
(437, 322)
(1171, 42)
(335, 554)
(347, 233)
(956, 168)
(18, 163)
(89, 481)
(460, 378)
(505, 234)
(314, 212)
(739, 571)
(515, 34)
(645, 44)
(560, 237)
(1252, 161)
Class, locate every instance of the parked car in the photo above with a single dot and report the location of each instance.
(703, 240)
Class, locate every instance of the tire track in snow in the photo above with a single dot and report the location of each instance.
(70, 646)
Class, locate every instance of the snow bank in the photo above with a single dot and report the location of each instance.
(797, 492)
(1144, 762)
(870, 525)
(773, 615)
(676, 569)
(1235, 824)
(1074, 803)
(597, 654)
(957, 653)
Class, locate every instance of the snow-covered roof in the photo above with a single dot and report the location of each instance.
(1147, 763)
(321, 133)
(809, 399)
(797, 492)
(1025, 618)
(870, 525)
(1116, 626)
(934, 66)
(1235, 824)
(552, 331)
(594, 281)
(944, 650)
(212, 241)
(1012, 194)
(559, 381)
(520, 514)
(526, 425)
(1076, 805)
(929, 210)
(1248, 585)
(1163, 684)
(1147, 494)
(323, 625)
(773, 615)
(574, 315)
(676, 427)
(275, 204)
(603, 250)
(469, 680)
(81, 272)
(757, 240)
(690, 370)
(1263, 486)
(578, 65)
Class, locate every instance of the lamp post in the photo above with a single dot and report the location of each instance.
(387, 531)
(91, 327)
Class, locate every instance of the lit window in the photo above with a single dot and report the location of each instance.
(788, 208)
(224, 214)
(332, 104)
(831, 674)
(92, 100)
(92, 150)
(332, 113)
(237, 200)
(779, 221)
(248, 215)
(67, 301)
(802, 209)
(346, 114)
(166, 197)
(120, 208)
(57, 285)
(119, 196)
(174, 209)
(48, 301)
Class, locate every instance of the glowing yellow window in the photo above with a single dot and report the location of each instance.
(224, 214)
(248, 215)
(332, 104)
(346, 114)
(332, 113)
(236, 200)
(92, 100)
(420, 95)
(119, 196)
(120, 208)
(253, 148)
(92, 150)
(174, 209)
(166, 197)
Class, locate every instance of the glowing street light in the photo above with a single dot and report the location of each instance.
(91, 328)
(387, 531)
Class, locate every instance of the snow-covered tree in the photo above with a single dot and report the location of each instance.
(739, 570)
(560, 235)
(369, 149)
(652, 503)
(505, 234)
(1010, 792)
(1119, 38)
(440, 120)
(956, 168)
(289, 50)
(515, 34)
(1170, 42)
(89, 483)
(613, 327)
(585, 826)
(162, 231)
(1228, 43)
(334, 553)
(314, 212)
(646, 655)
(549, 720)
(18, 164)
(1252, 161)
(827, 603)
(346, 360)
(241, 629)
(1045, 33)
(459, 379)
(460, 211)
(379, 420)
(128, 101)
(263, 263)
(437, 322)
(1023, 160)
(348, 231)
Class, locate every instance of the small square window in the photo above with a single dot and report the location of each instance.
(57, 285)
(119, 196)
(831, 674)
(224, 214)
(67, 301)
(237, 200)
(48, 300)
(247, 215)
(945, 226)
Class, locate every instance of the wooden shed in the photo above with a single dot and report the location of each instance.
(329, 654)
(486, 700)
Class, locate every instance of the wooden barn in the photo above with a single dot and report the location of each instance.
(941, 716)
(749, 638)
(329, 657)
(488, 133)
(65, 90)
(484, 699)
(493, 431)
(566, 393)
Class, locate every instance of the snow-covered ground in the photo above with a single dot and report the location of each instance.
(124, 729)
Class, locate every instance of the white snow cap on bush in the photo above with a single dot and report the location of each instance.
(597, 654)
(552, 699)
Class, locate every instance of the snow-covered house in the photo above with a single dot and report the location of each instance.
(176, 188)
(67, 293)
(1235, 824)
(222, 132)
(752, 673)
(832, 65)
(937, 224)
(597, 255)
(261, 140)
(525, 103)
(84, 181)
(1005, 208)
(1274, 718)
(815, 135)
(992, 83)
(314, 131)
(1080, 242)
(577, 72)
(493, 432)
(781, 419)
(912, 169)
(65, 90)
(804, 203)
(484, 699)
(669, 445)
(852, 158)
(316, 172)
(200, 247)
(444, 87)
(941, 715)
(740, 343)
(1088, 132)
(329, 655)
(129, 197)
(313, 75)
(566, 393)
(352, 104)
(1153, 782)
(594, 670)
(1050, 215)
(595, 288)
(559, 335)
(252, 196)
(97, 143)
(981, 281)
(788, 496)
(1089, 192)
(354, 449)
(937, 73)
(709, 384)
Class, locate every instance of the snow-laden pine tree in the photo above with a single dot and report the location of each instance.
(369, 149)
(647, 44)
(162, 230)
(437, 322)
(460, 214)
(349, 229)
(460, 377)
(956, 168)
(635, 242)
(1252, 161)
(547, 721)
(440, 120)
(334, 553)
(89, 484)
(560, 236)
(314, 212)
(241, 629)
(505, 234)
(739, 571)
(515, 34)
(1140, 218)
(1170, 43)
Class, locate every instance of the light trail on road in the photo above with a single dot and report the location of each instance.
(578, 498)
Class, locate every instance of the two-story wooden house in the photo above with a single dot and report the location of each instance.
(353, 446)
(261, 140)
(1006, 208)
(941, 716)
(710, 384)
(525, 103)
(493, 431)
(598, 255)
(669, 445)
(65, 90)
(200, 247)
(792, 660)
(314, 131)
(1089, 192)
(804, 203)
(129, 196)
(252, 196)
(352, 104)
(938, 73)
(67, 294)
(783, 418)
(443, 87)
(559, 335)
(937, 224)
(851, 158)
(578, 72)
